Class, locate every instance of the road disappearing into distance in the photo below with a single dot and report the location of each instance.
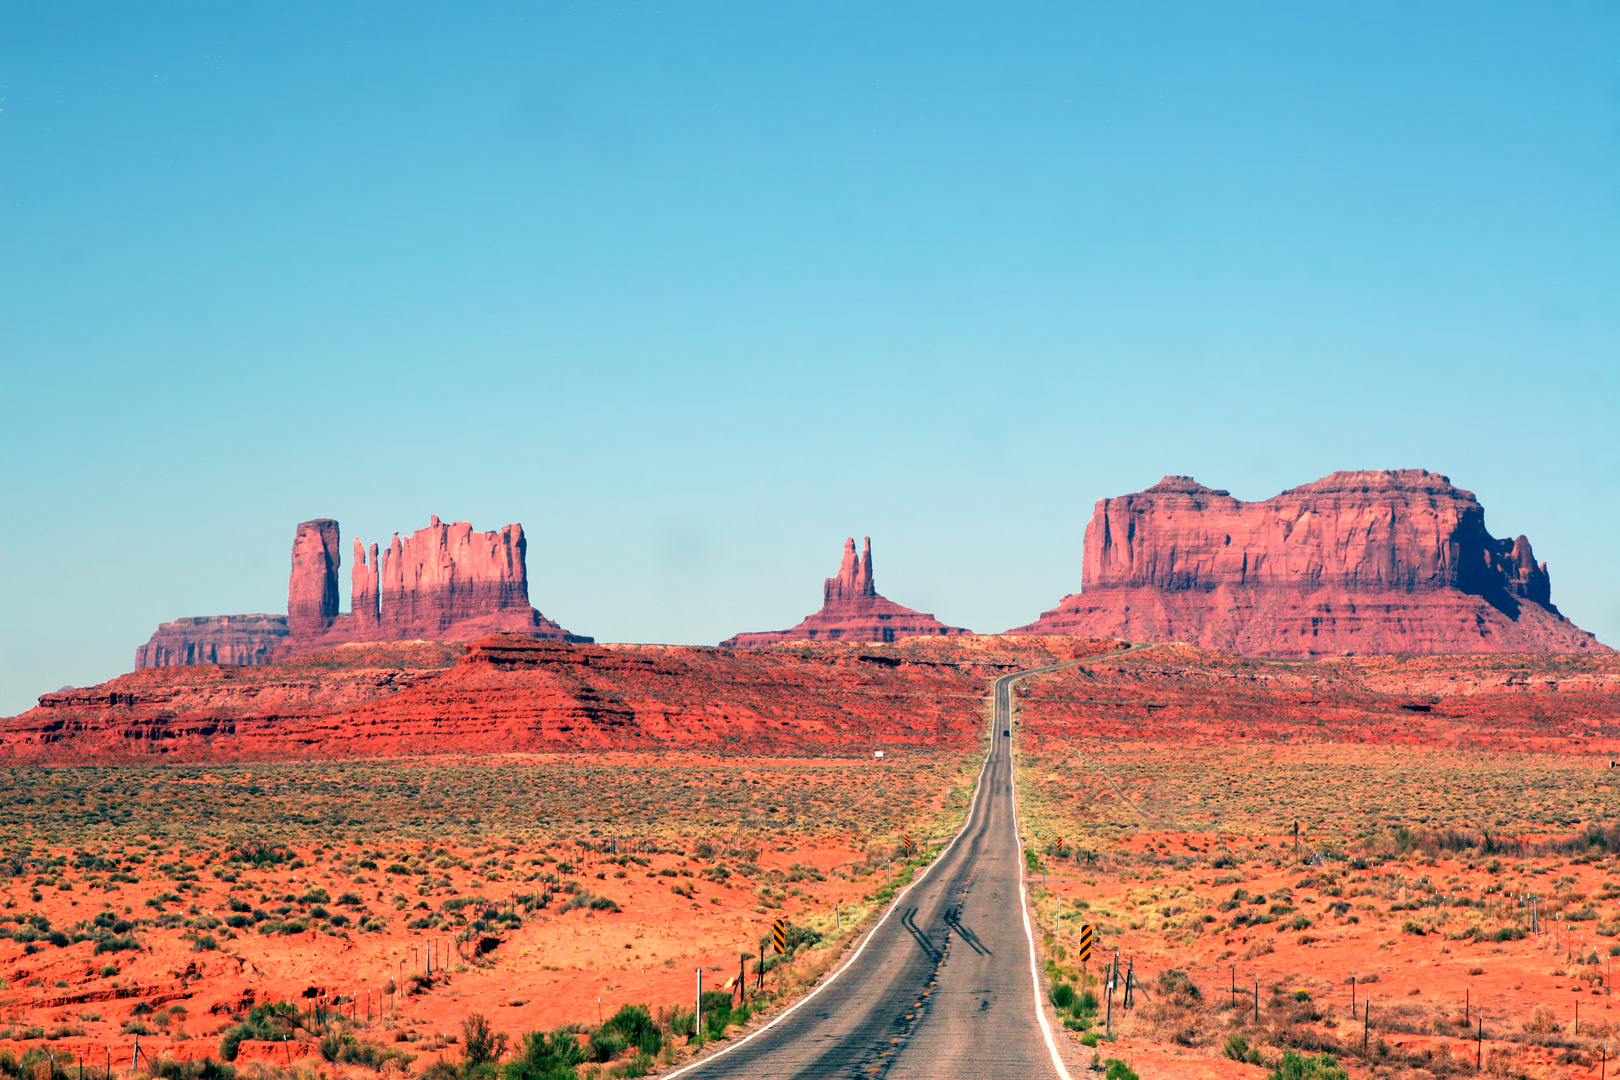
(945, 984)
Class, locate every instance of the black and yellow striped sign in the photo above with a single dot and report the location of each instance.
(907, 841)
(779, 935)
(1086, 938)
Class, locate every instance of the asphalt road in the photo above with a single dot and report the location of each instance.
(944, 986)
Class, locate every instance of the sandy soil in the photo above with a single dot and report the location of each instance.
(217, 926)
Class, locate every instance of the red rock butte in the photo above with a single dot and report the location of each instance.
(1377, 561)
(443, 583)
(852, 610)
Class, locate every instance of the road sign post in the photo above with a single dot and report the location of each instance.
(1113, 977)
(779, 943)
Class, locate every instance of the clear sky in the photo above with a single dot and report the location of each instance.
(694, 291)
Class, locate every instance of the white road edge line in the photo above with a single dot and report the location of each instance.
(1023, 903)
(895, 903)
(870, 934)
(1023, 897)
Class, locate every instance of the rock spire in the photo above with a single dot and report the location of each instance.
(852, 610)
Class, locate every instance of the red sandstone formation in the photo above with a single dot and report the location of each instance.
(219, 639)
(442, 583)
(1360, 562)
(1181, 695)
(445, 582)
(510, 692)
(363, 581)
(312, 588)
(851, 610)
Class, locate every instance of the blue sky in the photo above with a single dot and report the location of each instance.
(695, 291)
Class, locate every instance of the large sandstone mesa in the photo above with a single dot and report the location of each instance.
(445, 582)
(1390, 561)
(852, 610)
(442, 583)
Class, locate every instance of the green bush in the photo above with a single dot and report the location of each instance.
(206, 1069)
(1063, 995)
(480, 1045)
(546, 1057)
(607, 1043)
(682, 1024)
(640, 1065)
(341, 1049)
(274, 1021)
(116, 944)
(719, 1015)
(1296, 1066)
(1118, 1070)
(1237, 1048)
(636, 1024)
(801, 935)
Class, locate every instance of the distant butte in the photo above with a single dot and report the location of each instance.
(852, 610)
(1377, 561)
(446, 582)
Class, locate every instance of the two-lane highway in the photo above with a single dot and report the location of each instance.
(944, 985)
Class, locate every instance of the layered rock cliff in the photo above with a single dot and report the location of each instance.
(216, 639)
(1360, 562)
(852, 610)
(510, 692)
(445, 582)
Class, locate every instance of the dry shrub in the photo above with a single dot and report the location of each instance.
(1259, 948)
(1542, 1022)
(1174, 1019)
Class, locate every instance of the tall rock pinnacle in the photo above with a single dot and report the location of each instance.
(852, 610)
(363, 577)
(312, 588)
(854, 580)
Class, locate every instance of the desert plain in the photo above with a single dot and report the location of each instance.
(368, 913)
